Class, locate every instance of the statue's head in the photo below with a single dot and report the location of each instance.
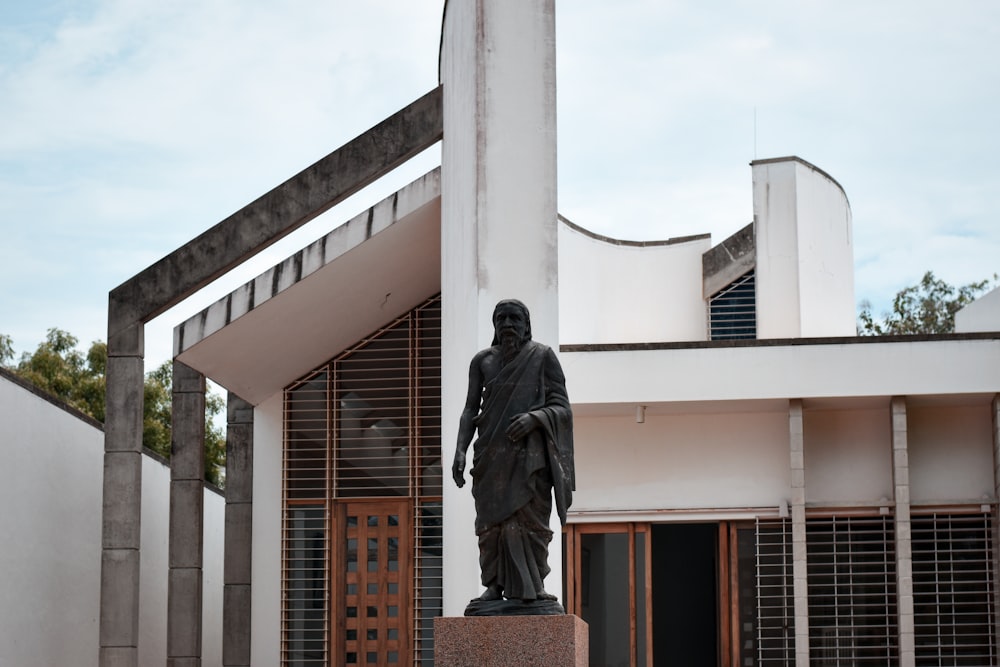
(511, 317)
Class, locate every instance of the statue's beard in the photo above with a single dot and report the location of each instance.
(510, 345)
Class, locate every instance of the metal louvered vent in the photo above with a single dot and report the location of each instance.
(852, 591)
(364, 428)
(732, 312)
(954, 596)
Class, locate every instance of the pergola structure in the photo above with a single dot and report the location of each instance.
(148, 294)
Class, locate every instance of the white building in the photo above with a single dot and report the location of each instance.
(756, 484)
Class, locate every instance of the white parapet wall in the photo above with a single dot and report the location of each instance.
(615, 291)
(981, 315)
(50, 488)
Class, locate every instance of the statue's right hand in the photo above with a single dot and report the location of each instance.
(458, 469)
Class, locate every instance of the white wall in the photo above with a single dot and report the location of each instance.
(848, 455)
(950, 453)
(805, 262)
(50, 554)
(617, 293)
(692, 461)
(983, 314)
(265, 592)
(50, 487)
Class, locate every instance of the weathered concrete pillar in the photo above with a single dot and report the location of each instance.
(498, 226)
(904, 544)
(122, 508)
(187, 499)
(239, 531)
(800, 579)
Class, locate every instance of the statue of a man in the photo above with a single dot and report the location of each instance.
(523, 456)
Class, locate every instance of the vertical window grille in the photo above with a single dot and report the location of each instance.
(732, 312)
(953, 590)
(304, 580)
(774, 634)
(372, 447)
(365, 425)
(429, 579)
(852, 591)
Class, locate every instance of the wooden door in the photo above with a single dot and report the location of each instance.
(373, 578)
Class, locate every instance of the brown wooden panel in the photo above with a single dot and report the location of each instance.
(374, 612)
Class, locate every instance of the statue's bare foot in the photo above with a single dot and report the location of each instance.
(492, 593)
(542, 595)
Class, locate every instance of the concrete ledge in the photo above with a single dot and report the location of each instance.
(509, 641)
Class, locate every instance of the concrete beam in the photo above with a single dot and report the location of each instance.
(279, 212)
(729, 260)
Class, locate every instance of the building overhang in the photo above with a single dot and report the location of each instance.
(751, 376)
(305, 310)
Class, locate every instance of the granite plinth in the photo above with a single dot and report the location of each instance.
(511, 641)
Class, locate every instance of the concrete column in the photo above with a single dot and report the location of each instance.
(187, 499)
(498, 226)
(239, 531)
(122, 507)
(904, 544)
(800, 579)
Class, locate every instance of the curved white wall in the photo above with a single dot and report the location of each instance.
(618, 293)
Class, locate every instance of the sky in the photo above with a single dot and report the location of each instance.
(128, 127)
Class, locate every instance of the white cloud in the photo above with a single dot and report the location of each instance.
(129, 126)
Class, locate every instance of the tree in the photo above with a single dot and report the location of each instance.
(6, 349)
(928, 307)
(59, 369)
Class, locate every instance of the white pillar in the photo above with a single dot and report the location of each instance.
(498, 227)
(800, 578)
(904, 542)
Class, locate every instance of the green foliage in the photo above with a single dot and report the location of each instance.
(57, 368)
(928, 307)
(6, 350)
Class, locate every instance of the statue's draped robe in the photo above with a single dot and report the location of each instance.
(513, 482)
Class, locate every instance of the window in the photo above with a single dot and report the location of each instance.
(362, 496)
(852, 591)
(732, 312)
(953, 589)
(766, 599)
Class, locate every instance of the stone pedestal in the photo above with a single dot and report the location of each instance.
(511, 641)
